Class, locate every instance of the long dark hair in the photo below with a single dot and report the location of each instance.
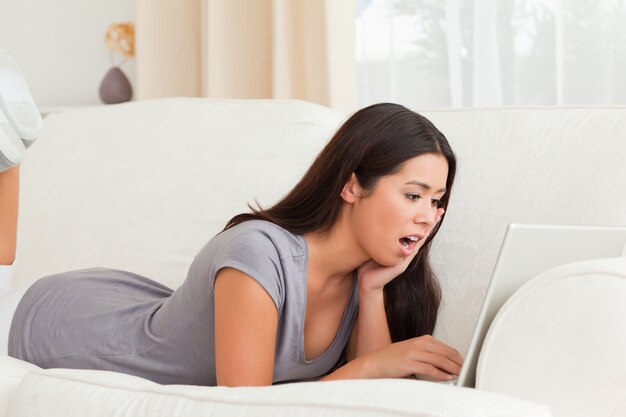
(372, 143)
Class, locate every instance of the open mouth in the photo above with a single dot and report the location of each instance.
(407, 244)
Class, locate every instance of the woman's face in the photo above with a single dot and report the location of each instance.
(401, 209)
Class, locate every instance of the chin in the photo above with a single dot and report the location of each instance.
(384, 255)
(388, 260)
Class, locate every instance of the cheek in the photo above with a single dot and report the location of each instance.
(378, 226)
(393, 213)
(379, 217)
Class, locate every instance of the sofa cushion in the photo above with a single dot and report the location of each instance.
(77, 393)
(12, 371)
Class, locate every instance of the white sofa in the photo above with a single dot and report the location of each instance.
(142, 186)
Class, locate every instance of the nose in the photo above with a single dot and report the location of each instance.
(425, 213)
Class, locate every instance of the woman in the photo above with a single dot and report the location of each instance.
(332, 282)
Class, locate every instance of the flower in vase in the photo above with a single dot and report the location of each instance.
(120, 39)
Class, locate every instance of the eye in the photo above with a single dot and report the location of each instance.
(436, 203)
(413, 197)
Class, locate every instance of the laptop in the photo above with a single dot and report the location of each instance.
(528, 250)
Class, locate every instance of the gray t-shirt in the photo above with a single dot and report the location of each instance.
(119, 321)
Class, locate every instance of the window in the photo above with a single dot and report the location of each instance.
(463, 53)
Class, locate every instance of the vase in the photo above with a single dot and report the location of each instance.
(115, 87)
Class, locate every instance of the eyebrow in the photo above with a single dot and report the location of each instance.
(425, 186)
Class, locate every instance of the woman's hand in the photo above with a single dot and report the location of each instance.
(373, 276)
(423, 356)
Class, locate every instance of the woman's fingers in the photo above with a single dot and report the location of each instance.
(431, 371)
(440, 362)
(436, 359)
(422, 355)
(430, 344)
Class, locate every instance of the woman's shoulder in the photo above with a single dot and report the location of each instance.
(254, 233)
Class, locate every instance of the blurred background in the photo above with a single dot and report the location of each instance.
(343, 54)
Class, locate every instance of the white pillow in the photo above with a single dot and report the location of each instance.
(77, 393)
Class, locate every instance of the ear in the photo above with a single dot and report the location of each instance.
(352, 190)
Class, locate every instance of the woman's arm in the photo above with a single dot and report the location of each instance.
(246, 321)
(370, 331)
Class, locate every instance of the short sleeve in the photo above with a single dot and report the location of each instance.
(255, 254)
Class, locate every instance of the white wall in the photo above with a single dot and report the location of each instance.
(60, 45)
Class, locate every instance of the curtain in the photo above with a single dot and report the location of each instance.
(168, 48)
(464, 53)
(287, 49)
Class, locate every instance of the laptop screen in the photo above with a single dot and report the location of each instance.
(528, 250)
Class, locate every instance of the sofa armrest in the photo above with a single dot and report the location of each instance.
(560, 340)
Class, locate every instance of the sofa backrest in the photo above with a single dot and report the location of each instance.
(142, 186)
(524, 165)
